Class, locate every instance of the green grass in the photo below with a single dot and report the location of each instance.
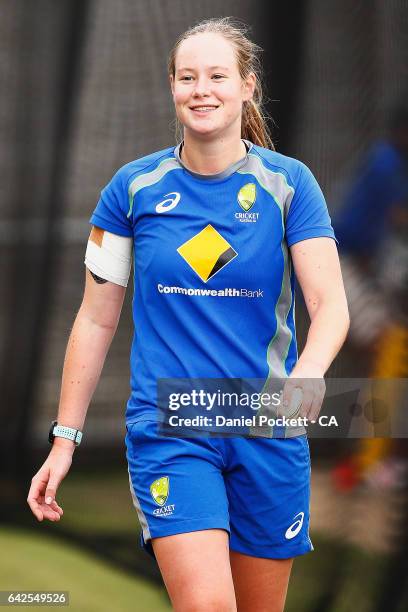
(99, 503)
(36, 562)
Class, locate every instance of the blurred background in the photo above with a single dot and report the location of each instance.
(84, 90)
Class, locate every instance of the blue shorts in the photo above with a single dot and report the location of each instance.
(257, 489)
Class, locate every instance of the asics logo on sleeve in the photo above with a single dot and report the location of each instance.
(294, 529)
(164, 206)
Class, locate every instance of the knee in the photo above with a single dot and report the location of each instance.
(208, 603)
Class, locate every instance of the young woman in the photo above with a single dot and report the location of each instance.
(218, 225)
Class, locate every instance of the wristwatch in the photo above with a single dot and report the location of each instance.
(60, 431)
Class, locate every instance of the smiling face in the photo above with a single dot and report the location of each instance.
(208, 90)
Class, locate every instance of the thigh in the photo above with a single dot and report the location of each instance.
(268, 487)
(196, 570)
(260, 584)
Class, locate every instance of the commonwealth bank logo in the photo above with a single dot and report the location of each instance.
(246, 196)
(207, 253)
(159, 490)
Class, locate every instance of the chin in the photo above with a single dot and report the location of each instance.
(201, 130)
(208, 129)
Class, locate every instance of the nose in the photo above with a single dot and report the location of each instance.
(202, 87)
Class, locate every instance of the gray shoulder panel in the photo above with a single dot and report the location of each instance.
(274, 182)
(150, 178)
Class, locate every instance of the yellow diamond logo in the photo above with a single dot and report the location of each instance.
(247, 196)
(159, 490)
(207, 252)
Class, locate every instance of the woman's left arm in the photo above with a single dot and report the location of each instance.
(317, 268)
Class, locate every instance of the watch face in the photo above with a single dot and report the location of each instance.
(51, 432)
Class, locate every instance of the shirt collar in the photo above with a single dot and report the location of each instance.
(220, 175)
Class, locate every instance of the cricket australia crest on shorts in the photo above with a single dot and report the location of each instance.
(159, 490)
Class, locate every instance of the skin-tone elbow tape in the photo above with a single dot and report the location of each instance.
(109, 256)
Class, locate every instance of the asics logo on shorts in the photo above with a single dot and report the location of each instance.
(170, 203)
(294, 529)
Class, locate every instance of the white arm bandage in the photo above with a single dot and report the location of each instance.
(109, 256)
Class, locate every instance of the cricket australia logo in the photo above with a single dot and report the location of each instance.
(159, 490)
(246, 199)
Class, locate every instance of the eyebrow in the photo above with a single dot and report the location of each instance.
(224, 68)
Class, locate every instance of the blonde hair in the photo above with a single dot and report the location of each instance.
(253, 126)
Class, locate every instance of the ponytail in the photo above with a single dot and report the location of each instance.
(253, 126)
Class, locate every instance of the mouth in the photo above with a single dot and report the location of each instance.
(203, 109)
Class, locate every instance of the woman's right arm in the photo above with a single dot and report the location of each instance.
(88, 344)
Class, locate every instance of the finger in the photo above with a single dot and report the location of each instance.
(295, 402)
(51, 490)
(33, 496)
(308, 396)
(322, 388)
(321, 393)
(35, 509)
(56, 507)
(287, 394)
(38, 485)
(51, 515)
(315, 408)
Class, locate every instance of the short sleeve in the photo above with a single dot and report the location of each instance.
(308, 216)
(112, 209)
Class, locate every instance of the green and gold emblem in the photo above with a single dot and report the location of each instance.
(159, 490)
(247, 196)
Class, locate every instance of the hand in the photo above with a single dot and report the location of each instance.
(44, 485)
(304, 391)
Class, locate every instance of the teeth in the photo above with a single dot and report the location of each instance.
(204, 108)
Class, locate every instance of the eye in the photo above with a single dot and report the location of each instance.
(218, 76)
(186, 78)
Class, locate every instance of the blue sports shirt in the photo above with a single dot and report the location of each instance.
(213, 279)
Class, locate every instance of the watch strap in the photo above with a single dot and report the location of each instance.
(61, 431)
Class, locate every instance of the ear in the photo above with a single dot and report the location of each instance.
(249, 87)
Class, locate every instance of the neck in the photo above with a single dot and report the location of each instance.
(211, 156)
